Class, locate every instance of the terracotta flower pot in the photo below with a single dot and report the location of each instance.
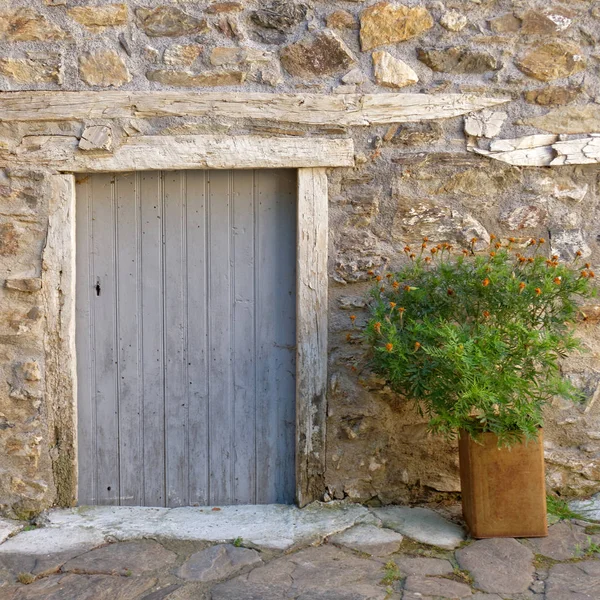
(503, 489)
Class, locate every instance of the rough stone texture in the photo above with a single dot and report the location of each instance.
(28, 70)
(90, 587)
(369, 539)
(388, 23)
(578, 581)
(436, 587)
(95, 17)
(590, 509)
(553, 60)
(324, 54)
(188, 79)
(217, 562)
(103, 68)
(27, 25)
(342, 19)
(422, 525)
(499, 565)
(411, 179)
(458, 60)
(129, 558)
(169, 21)
(276, 527)
(417, 565)
(565, 541)
(96, 137)
(323, 573)
(392, 72)
(9, 528)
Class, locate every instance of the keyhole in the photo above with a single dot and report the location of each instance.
(97, 287)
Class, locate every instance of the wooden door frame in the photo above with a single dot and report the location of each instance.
(311, 157)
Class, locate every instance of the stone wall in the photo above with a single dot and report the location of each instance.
(411, 180)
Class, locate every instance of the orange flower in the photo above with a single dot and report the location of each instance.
(557, 280)
(370, 273)
(531, 242)
(555, 257)
(433, 250)
(412, 257)
(492, 254)
(423, 245)
(348, 337)
(401, 309)
(392, 305)
(587, 265)
(382, 289)
(465, 252)
(417, 345)
(584, 274)
(512, 240)
(428, 259)
(541, 241)
(473, 240)
(538, 291)
(492, 237)
(378, 278)
(407, 288)
(530, 260)
(497, 245)
(486, 314)
(353, 318)
(406, 248)
(578, 253)
(389, 347)
(388, 275)
(425, 239)
(521, 286)
(592, 274)
(395, 285)
(450, 292)
(377, 327)
(522, 259)
(485, 282)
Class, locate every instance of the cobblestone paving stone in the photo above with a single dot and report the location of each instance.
(564, 566)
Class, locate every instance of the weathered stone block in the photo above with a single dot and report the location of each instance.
(341, 19)
(96, 137)
(539, 23)
(552, 95)
(281, 15)
(103, 68)
(315, 56)
(182, 55)
(169, 21)
(574, 119)
(452, 20)
(553, 60)
(224, 7)
(387, 23)
(27, 25)
(458, 60)
(392, 72)
(98, 17)
(28, 284)
(188, 79)
(27, 70)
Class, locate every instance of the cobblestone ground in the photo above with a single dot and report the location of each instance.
(418, 555)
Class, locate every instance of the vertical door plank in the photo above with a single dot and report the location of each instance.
(175, 292)
(128, 305)
(105, 316)
(311, 314)
(244, 384)
(275, 327)
(152, 338)
(220, 314)
(86, 423)
(197, 331)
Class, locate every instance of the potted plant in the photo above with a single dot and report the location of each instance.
(474, 340)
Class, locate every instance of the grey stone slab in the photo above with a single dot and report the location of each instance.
(217, 562)
(369, 539)
(575, 581)
(320, 573)
(417, 565)
(436, 587)
(589, 509)
(272, 526)
(8, 528)
(165, 592)
(82, 587)
(483, 596)
(565, 540)
(44, 551)
(498, 565)
(122, 558)
(421, 524)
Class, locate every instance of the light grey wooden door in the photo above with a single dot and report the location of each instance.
(186, 337)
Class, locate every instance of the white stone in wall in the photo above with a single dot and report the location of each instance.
(392, 72)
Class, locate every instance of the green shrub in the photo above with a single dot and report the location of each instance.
(475, 340)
